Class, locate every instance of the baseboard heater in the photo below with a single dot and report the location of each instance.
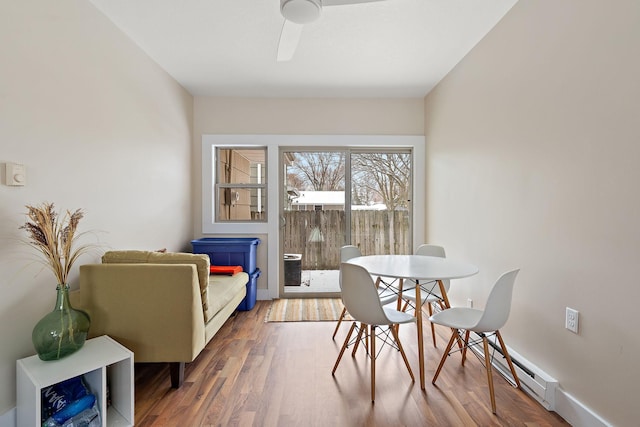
(533, 381)
(536, 383)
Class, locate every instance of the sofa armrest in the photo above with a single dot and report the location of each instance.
(155, 310)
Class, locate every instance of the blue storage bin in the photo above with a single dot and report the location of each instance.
(252, 289)
(229, 251)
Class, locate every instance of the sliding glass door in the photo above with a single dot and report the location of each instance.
(334, 197)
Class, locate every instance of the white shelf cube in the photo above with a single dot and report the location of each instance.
(100, 360)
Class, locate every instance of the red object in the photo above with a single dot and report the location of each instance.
(225, 269)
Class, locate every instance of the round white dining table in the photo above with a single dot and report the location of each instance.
(422, 269)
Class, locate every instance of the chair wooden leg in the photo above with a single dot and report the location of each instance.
(487, 361)
(344, 347)
(404, 356)
(373, 363)
(366, 337)
(399, 302)
(506, 355)
(359, 338)
(458, 339)
(344, 311)
(444, 357)
(466, 346)
(433, 329)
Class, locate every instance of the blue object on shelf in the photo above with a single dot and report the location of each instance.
(74, 408)
(65, 400)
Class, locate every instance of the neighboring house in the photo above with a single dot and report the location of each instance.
(318, 201)
(326, 200)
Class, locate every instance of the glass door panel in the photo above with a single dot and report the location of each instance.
(381, 202)
(313, 221)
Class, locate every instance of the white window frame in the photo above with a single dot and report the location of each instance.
(209, 144)
(261, 187)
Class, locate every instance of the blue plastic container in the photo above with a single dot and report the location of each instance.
(233, 251)
(252, 290)
(229, 251)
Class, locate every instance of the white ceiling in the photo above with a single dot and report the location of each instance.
(391, 48)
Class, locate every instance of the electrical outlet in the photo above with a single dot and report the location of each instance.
(469, 302)
(571, 320)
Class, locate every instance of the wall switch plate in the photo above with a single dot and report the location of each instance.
(469, 302)
(15, 174)
(571, 320)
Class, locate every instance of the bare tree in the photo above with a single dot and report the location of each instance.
(317, 171)
(295, 181)
(382, 176)
(377, 177)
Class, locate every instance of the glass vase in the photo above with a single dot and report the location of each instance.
(61, 332)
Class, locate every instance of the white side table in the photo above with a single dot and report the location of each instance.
(100, 360)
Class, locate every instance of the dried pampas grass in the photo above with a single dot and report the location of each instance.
(55, 236)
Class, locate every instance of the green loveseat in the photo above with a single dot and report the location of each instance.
(165, 307)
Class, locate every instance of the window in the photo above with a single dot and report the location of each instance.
(265, 217)
(240, 184)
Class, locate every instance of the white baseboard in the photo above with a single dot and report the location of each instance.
(547, 391)
(261, 295)
(8, 419)
(575, 413)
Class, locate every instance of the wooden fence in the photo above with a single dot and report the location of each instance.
(318, 235)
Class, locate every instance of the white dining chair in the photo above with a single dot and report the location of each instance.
(360, 297)
(348, 252)
(484, 323)
(431, 293)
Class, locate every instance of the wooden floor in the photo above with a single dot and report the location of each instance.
(279, 374)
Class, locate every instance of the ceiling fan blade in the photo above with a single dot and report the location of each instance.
(289, 38)
(345, 2)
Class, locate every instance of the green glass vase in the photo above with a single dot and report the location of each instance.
(61, 332)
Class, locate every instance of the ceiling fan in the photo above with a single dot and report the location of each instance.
(296, 13)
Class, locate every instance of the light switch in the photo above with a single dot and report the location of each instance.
(16, 174)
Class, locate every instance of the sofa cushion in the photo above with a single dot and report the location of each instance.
(222, 289)
(125, 257)
(200, 260)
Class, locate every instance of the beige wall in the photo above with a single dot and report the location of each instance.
(296, 117)
(100, 127)
(532, 152)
